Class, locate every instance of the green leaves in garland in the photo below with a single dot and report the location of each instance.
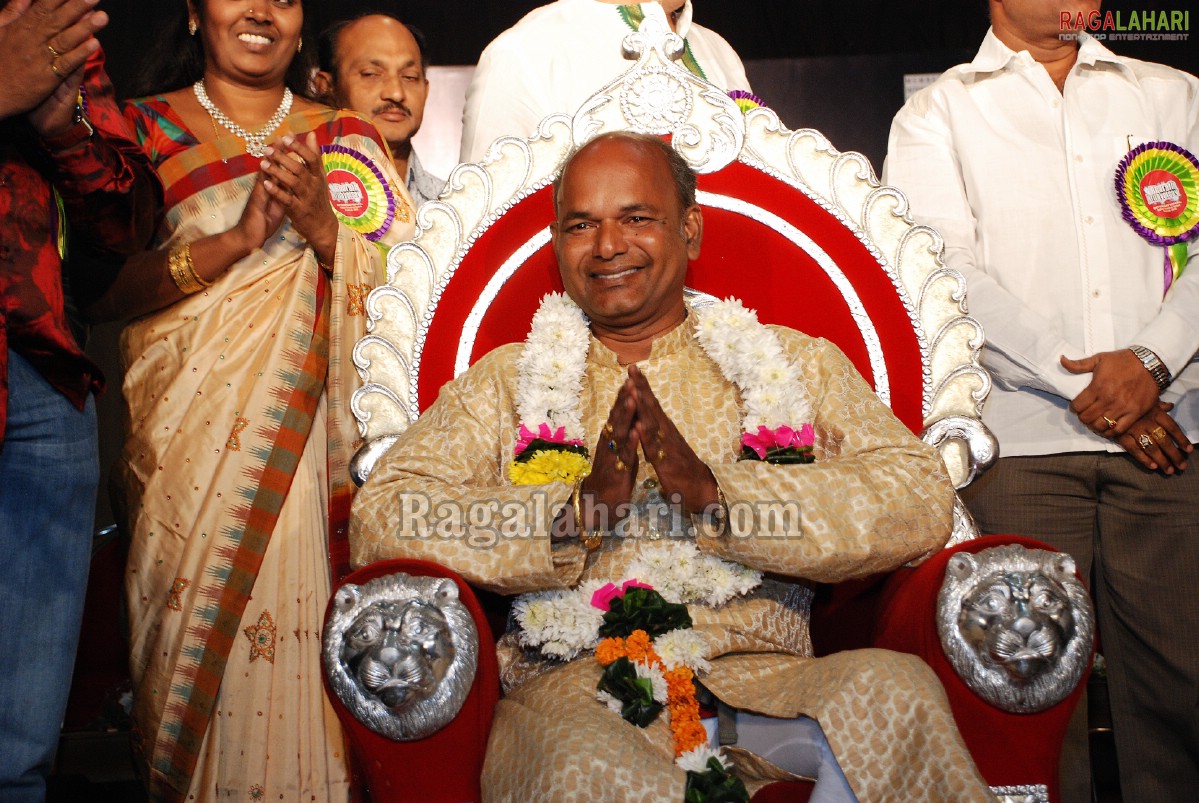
(635, 694)
(715, 785)
(643, 609)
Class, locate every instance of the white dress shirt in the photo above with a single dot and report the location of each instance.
(1019, 179)
(559, 55)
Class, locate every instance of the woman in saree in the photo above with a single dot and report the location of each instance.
(234, 475)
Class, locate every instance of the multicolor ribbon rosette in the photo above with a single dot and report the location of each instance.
(1156, 187)
(745, 100)
(360, 194)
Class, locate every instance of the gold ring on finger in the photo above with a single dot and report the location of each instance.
(54, 54)
(607, 430)
(1145, 441)
(660, 456)
(1110, 423)
(54, 69)
(620, 466)
(1158, 433)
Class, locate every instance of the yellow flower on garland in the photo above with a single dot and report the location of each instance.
(549, 465)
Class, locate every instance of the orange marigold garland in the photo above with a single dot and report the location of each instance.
(637, 681)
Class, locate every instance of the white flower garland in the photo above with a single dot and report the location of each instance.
(563, 623)
(550, 367)
(748, 354)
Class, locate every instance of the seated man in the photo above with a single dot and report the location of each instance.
(622, 397)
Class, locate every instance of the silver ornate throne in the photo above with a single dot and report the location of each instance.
(830, 251)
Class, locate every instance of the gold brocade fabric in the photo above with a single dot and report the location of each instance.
(875, 498)
(207, 388)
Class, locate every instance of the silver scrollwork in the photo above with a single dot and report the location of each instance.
(1017, 625)
(1025, 793)
(401, 653)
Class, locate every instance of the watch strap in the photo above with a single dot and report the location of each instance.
(1153, 364)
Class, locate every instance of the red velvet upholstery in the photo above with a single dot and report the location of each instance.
(444, 767)
(1009, 749)
(785, 792)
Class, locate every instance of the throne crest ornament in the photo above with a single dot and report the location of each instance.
(400, 652)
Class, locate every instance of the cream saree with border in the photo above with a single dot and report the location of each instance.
(234, 472)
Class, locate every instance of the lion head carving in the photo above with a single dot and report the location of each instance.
(401, 653)
(1016, 624)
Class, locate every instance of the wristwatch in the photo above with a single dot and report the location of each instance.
(80, 131)
(1153, 364)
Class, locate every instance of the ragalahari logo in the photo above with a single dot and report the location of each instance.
(1149, 25)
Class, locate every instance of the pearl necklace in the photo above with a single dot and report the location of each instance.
(256, 142)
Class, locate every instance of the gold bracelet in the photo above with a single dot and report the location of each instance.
(590, 539)
(718, 519)
(183, 270)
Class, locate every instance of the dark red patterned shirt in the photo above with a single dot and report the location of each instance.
(110, 195)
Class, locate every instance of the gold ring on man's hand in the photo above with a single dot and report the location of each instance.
(1110, 423)
(1145, 441)
(54, 54)
(54, 69)
(660, 456)
(620, 466)
(1158, 433)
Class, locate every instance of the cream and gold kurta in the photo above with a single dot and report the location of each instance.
(875, 498)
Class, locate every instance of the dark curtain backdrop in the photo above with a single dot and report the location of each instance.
(758, 29)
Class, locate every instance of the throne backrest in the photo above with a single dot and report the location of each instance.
(802, 233)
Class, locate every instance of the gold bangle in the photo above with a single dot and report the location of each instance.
(590, 539)
(183, 270)
(718, 518)
(578, 507)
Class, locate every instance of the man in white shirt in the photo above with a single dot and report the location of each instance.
(1012, 158)
(560, 54)
(376, 65)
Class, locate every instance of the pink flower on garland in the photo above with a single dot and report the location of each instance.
(527, 436)
(783, 437)
(603, 596)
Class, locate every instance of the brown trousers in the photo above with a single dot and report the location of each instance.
(1135, 533)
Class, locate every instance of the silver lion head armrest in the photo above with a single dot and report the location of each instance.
(1017, 625)
(401, 653)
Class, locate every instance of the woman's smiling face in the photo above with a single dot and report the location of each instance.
(248, 42)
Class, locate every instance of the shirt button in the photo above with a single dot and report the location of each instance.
(1078, 157)
(1089, 219)
(1096, 293)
